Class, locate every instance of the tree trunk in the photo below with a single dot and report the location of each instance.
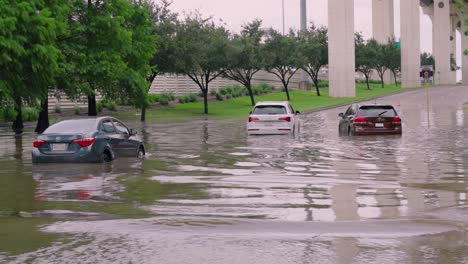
(367, 82)
(285, 85)
(317, 87)
(205, 99)
(249, 88)
(395, 76)
(43, 121)
(92, 111)
(143, 114)
(382, 79)
(18, 123)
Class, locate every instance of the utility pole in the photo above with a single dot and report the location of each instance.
(303, 15)
(305, 83)
(283, 17)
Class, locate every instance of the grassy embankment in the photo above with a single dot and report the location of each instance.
(240, 107)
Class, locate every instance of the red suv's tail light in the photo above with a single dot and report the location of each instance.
(396, 120)
(84, 142)
(359, 120)
(38, 142)
(285, 119)
(253, 119)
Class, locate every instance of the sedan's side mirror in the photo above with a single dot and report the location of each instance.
(133, 132)
(341, 115)
(297, 112)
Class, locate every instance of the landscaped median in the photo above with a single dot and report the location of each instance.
(240, 107)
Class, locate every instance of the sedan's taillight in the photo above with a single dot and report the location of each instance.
(38, 142)
(84, 142)
(285, 119)
(253, 119)
(396, 120)
(359, 120)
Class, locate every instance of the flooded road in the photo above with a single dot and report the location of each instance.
(207, 193)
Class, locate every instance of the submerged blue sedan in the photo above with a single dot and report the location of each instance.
(99, 139)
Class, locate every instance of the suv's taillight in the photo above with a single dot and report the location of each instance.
(396, 120)
(84, 142)
(359, 120)
(285, 119)
(253, 119)
(38, 142)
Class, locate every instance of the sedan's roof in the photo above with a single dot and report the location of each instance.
(284, 103)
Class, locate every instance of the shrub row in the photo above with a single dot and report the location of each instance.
(191, 98)
(30, 113)
(238, 91)
(163, 98)
(370, 81)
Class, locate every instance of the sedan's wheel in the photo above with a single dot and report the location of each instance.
(106, 156)
(141, 153)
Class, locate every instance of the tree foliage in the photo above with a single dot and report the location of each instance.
(313, 50)
(393, 57)
(28, 52)
(245, 56)
(427, 59)
(282, 57)
(365, 57)
(201, 52)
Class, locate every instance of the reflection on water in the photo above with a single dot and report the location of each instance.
(210, 169)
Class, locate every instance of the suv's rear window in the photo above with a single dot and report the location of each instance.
(72, 127)
(269, 110)
(374, 111)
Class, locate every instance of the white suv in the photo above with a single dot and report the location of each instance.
(272, 118)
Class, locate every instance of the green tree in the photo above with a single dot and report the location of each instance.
(245, 57)
(313, 49)
(380, 63)
(166, 23)
(95, 48)
(138, 55)
(28, 51)
(201, 52)
(427, 59)
(282, 58)
(463, 8)
(365, 57)
(393, 57)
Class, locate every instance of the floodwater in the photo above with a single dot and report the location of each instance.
(207, 193)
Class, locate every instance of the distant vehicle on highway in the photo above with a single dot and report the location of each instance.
(99, 139)
(272, 118)
(361, 120)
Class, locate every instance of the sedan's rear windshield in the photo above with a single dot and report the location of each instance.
(374, 111)
(269, 110)
(72, 127)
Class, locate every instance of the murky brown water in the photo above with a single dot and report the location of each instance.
(215, 195)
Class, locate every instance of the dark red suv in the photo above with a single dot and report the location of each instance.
(369, 120)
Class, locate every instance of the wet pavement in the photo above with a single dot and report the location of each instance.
(207, 193)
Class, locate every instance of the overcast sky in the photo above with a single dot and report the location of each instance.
(235, 13)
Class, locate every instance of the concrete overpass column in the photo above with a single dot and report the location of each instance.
(410, 44)
(441, 28)
(453, 48)
(383, 27)
(464, 37)
(341, 48)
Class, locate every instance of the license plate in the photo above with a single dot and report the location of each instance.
(59, 147)
(379, 125)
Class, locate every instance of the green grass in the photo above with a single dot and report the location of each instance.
(240, 107)
(21, 235)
